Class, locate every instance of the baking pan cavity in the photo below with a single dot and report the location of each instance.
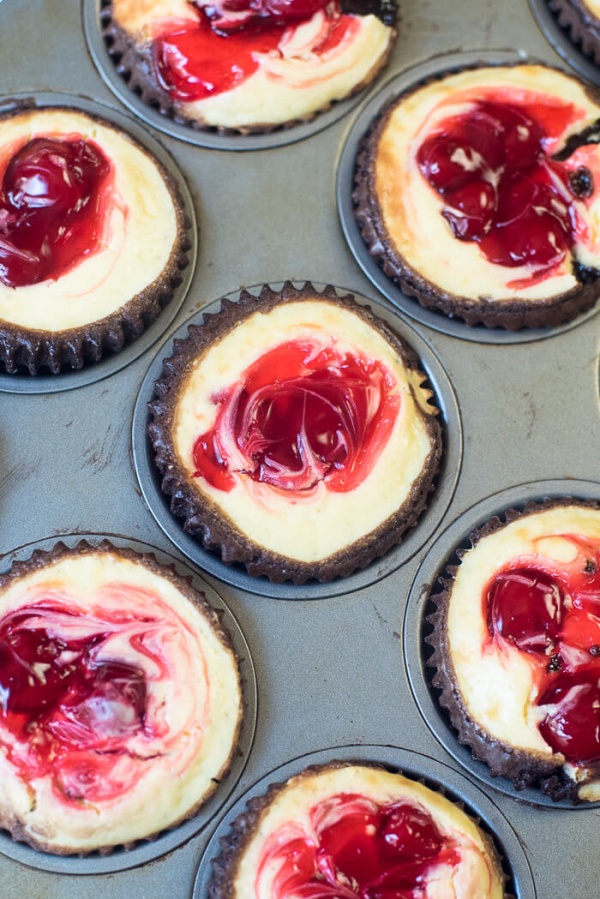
(438, 501)
(107, 61)
(345, 186)
(145, 851)
(446, 552)
(419, 767)
(109, 364)
(559, 37)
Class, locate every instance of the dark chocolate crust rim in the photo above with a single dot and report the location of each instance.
(234, 843)
(522, 768)
(205, 522)
(511, 315)
(46, 558)
(32, 352)
(581, 25)
(134, 66)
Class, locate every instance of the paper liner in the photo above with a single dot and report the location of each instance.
(40, 559)
(512, 315)
(521, 767)
(203, 519)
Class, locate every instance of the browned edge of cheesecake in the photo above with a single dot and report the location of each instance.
(203, 519)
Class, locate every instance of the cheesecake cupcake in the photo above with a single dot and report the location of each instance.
(92, 239)
(477, 192)
(120, 699)
(248, 66)
(295, 434)
(355, 830)
(516, 647)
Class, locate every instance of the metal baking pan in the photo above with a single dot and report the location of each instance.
(341, 669)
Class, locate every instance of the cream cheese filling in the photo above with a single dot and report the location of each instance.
(496, 683)
(411, 208)
(313, 527)
(139, 240)
(192, 711)
(475, 874)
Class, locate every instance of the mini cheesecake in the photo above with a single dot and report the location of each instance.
(516, 639)
(120, 699)
(294, 434)
(478, 193)
(581, 20)
(355, 830)
(248, 66)
(92, 239)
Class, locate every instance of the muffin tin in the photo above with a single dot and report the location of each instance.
(337, 667)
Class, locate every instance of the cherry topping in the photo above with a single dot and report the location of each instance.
(526, 608)
(300, 416)
(64, 692)
(499, 187)
(223, 48)
(358, 850)
(50, 208)
(555, 618)
(573, 725)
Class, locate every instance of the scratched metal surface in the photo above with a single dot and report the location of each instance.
(330, 671)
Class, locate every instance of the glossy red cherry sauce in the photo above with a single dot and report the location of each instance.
(552, 613)
(53, 205)
(216, 53)
(357, 849)
(500, 187)
(71, 707)
(301, 415)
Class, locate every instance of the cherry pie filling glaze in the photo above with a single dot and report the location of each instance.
(300, 415)
(500, 185)
(216, 53)
(552, 614)
(55, 197)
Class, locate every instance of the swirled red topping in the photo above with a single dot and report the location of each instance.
(54, 199)
(203, 58)
(300, 415)
(75, 685)
(552, 613)
(501, 188)
(356, 849)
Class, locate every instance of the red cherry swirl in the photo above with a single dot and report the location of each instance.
(53, 201)
(500, 188)
(72, 708)
(199, 59)
(300, 415)
(554, 616)
(357, 849)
